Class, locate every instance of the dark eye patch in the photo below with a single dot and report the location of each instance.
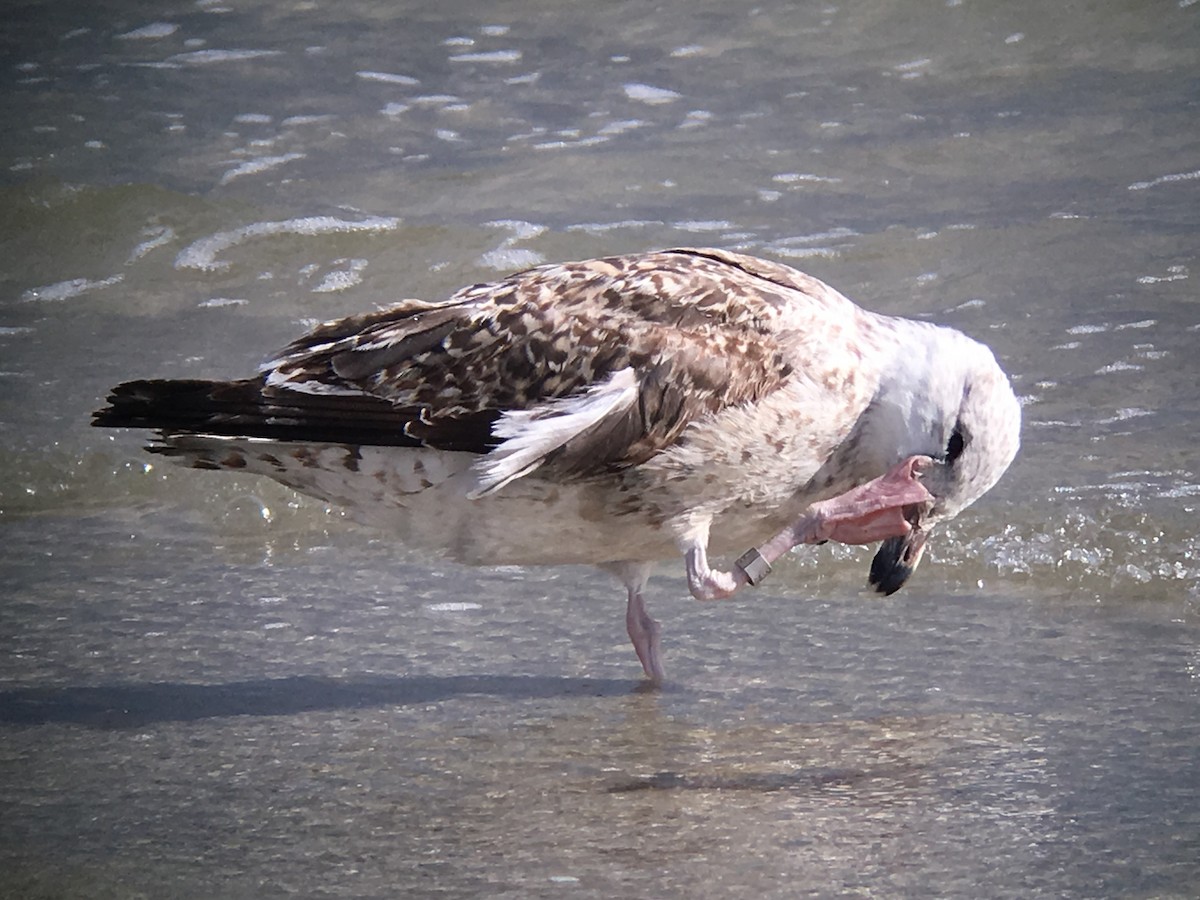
(955, 446)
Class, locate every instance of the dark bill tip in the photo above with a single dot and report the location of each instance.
(897, 558)
(889, 570)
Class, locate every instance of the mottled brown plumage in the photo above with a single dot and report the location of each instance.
(699, 328)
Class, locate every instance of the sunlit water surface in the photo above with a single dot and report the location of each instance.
(210, 687)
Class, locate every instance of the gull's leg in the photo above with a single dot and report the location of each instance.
(871, 512)
(643, 630)
(706, 583)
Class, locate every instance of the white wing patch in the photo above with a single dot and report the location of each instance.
(290, 381)
(530, 434)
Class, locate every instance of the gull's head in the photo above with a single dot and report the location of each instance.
(946, 398)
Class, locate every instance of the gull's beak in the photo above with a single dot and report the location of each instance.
(896, 559)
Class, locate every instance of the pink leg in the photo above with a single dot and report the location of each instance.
(871, 512)
(710, 584)
(874, 511)
(643, 629)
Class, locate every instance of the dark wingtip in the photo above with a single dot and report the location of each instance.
(127, 404)
(151, 403)
(251, 409)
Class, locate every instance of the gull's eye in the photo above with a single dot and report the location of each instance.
(954, 448)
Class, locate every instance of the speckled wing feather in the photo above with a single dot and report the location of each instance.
(763, 270)
(698, 329)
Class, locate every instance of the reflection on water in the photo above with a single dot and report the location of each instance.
(210, 687)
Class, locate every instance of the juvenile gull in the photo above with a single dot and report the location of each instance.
(617, 412)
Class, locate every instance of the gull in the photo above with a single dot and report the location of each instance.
(617, 412)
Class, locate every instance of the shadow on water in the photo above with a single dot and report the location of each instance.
(135, 705)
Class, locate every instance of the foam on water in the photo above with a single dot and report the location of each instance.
(153, 31)
(259, 165)
(1165, 179)
(156, 236)
(202, 254)
(648, 93)
(490, 56)
(510, 259)
(388, 78)
(435, 100)
(343, 278)
(804, 178)
(215, 56)
(310, 119)
(600, 228)
(699, 226)
(1174, 273)
(73, 287)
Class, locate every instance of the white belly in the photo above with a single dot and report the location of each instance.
(421, 497)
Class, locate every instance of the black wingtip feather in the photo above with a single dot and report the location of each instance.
(251, 409)
(182, 404)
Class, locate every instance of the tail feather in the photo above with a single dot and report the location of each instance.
(251, 409)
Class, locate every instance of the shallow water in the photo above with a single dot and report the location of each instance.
(212, 687)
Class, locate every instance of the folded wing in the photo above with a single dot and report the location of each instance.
(583, 368)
